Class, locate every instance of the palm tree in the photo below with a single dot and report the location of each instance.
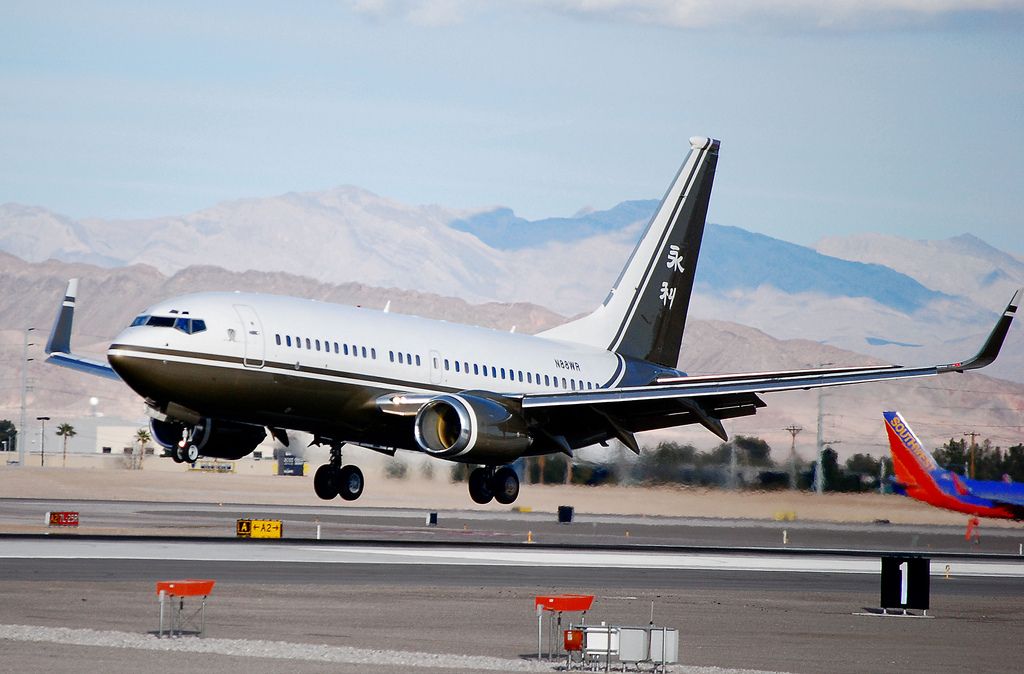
(142, 437)
(67, 431)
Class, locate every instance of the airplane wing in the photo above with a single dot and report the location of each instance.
(58, 347)
(705, 396)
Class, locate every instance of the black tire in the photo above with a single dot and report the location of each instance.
(350, 483)
(325, 482)
(504, 485)
(479, 486)
(178, 454)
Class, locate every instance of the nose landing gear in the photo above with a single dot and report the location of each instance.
(488, 482)
(332, 479)
(186, 450)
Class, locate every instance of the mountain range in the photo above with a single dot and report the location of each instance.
(759, 302)
(899, 300)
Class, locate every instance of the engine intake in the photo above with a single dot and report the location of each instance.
(212, 437)
(472, 429)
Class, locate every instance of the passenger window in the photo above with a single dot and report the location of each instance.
(364, 352)
(476, 369)
(408, 359)
(563, 383)
(400, 358)
(373, 353)
(547, 381)
(391, 356)
(344, 348)
(277, 338)
(445, 363)
(309, 344)
(502, 373)
(520, 373)
(573, 382)
(287, 340)
(318, 345)
(435, 363)
(494, 372)
(417, 360)
(457, 366)
(529, 378)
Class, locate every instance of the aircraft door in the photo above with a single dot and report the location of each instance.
(252, 330)
(435, 367)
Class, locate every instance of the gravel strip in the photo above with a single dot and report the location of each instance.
(291, 651)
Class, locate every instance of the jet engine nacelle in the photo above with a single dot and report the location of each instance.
(471, 429)
(212, 437)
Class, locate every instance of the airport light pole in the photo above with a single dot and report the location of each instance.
(42, 440)
(24, 388)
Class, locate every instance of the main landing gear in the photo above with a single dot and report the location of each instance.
(488, 482)
(332, 479)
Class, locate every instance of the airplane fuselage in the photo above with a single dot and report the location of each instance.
(321, 367)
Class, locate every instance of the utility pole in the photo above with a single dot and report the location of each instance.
(793, 430)
(972, 435)
(20, 437)
(819, 474)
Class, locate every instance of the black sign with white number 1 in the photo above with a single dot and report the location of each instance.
(905, 582)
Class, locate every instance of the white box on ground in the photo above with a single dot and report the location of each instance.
(633, 644)
(600, 640)
(670, 639)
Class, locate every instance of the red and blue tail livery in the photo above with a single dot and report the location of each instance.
(920, 477)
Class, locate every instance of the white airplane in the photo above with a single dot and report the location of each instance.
(217, 368)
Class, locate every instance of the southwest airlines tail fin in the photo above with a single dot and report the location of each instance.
(645, 312)
(912, 464)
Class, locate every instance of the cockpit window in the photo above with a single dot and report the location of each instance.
(189, 326)
(160, 321)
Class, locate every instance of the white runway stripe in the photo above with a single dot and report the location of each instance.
(252, 648)
(497, 556)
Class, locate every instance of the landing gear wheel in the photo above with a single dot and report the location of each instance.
(350, 483)
(325, 482)
(178, 454)
(504, 484)
(479, 485)
(191, 453)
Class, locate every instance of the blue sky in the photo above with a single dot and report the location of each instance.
(899, 116)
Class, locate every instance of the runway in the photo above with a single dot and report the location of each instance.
(462, 599)
(408, 525)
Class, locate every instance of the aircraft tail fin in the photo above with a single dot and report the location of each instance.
(912, 463)
(645, 313)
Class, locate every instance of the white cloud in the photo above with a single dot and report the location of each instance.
(422, 12)
(840, 14)
(800, 14)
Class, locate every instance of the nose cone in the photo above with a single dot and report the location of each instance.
(135, 362)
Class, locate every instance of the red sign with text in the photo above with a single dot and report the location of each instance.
(67, 518)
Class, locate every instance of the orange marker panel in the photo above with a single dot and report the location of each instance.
(185, 588)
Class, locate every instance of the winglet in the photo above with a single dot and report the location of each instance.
(60, 335)
(990, 350)
(58, 347)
